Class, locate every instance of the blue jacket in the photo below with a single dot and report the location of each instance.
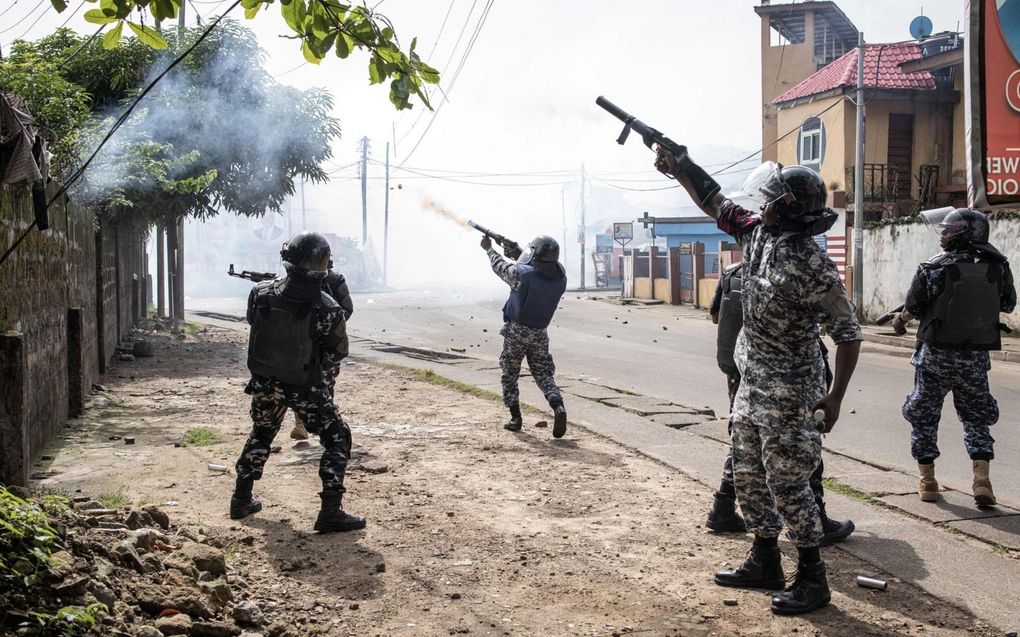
(535, 299)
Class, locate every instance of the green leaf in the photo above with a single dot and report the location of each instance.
(376, 69)
(163, 9)
(96, 16)
(250, 12)
(59, 5)
(148, 36)
(112, 38)
(307, 51)
(427, 73)
(344, 45)
(294, 13)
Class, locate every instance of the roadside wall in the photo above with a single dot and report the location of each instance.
(50, 321)
(893, 252)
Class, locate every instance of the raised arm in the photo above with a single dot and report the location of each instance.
(506, 270)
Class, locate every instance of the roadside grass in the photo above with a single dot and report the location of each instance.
(114, 499)
(189, 327)
(433, 378)
(200, 437)
(831, 484)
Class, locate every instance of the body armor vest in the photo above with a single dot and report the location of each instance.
(536, 298)
(731, 318)
(282, 343)
(966, 314)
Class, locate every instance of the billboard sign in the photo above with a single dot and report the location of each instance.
(603, 243)
(993, 102)
(623, 231)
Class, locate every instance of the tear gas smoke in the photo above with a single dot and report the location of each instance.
(436, 208)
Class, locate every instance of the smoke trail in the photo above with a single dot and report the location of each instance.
(436, 208)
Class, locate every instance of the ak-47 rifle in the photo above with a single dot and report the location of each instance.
(257, 277)
(512, 248)
(704, 186)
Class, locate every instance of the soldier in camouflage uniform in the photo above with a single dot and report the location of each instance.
(953, 343)
(297, 331)
(789, 286)
(335, 285)
(537, 282)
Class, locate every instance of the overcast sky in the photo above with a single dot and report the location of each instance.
(523, 102)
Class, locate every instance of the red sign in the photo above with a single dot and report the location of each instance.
(1000, 96)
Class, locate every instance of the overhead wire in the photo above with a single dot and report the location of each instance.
(11, 6)
(120, 122)
(82, 47)
(25, 17)
(73, 13)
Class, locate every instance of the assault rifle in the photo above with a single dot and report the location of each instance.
(704, 186)
(510, 247)
(257, 277)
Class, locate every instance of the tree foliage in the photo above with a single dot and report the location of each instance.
(321, 26)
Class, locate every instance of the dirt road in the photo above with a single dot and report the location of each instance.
(471, 530)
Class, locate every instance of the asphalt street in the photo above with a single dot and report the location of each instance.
(669, 352)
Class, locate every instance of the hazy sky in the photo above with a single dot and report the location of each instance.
(523, 102)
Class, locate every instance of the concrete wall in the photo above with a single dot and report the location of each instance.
(834, 158)
(893, 252)
(782, 67)
(50, 322)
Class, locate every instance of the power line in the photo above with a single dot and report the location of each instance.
(290, 70)
(82, 47)
(64, 24)
(26, 17)
(119, 122)
(453, 80)
(441, 27)
(4, 12)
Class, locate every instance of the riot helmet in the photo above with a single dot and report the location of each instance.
(543, 249)
(796, 193)
(958, 223)
(306, 254)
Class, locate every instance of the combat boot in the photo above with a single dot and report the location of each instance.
(834, 530)
(515, 422)
(298, 432)
(983, 495)
(332, 517)
(928, 488)
(559, 421)
(723, 518)
(242, 504)
(809, 591)
(761, 569)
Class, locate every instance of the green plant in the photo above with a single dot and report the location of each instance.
(201, 436)
(114, 499)
(831, 484)
(70, 621)
(26, 542)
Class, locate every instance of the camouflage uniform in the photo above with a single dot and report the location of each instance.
(520, 341)
(789, 287)
(270, 400)
(940, 370)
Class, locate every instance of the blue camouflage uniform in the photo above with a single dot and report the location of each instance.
(524, 341)
(314, 405)
(789, 287)
(940, 370)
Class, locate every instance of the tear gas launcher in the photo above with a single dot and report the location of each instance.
(507, 245)
(257, 277)
(704, 186)
(888, 316)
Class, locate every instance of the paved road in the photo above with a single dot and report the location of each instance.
(670, 352)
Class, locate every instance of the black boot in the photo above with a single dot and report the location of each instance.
(835, 530)
(515, 422)
(241, 503)
(332, 518)
(809, 591)
(761, 569)
(559, 420)
(723, 518)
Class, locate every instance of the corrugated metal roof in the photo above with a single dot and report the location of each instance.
(881, 70)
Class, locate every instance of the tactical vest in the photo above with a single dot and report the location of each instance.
(282, 344)
(966, 313)
(535, 300)
(731, 318)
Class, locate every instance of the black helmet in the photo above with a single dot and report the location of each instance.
(805, 192)
(307, 253)
(964, 223)
(544, 249)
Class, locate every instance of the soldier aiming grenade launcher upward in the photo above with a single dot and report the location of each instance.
(704, 186)
(512, 248)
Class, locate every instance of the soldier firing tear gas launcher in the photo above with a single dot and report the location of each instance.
(512, 249)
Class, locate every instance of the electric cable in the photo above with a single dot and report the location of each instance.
(12, 5)
(119, 122)
(26, 17)
(82, 47)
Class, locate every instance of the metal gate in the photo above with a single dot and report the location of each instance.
(687, 273)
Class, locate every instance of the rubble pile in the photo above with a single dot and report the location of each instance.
(130, 573)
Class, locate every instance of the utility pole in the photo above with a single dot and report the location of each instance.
(304, 217)
(583, 225)
(364, 192)
(386, 218)
(177, 262)
(160, 272)
(859, 182)
(563, 215)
